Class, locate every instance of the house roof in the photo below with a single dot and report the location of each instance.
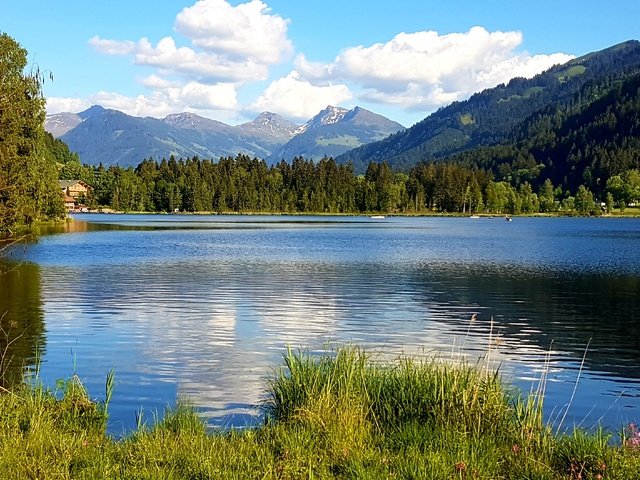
(69, 183)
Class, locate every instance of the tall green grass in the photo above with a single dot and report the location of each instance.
(340, 415)
(388, 396)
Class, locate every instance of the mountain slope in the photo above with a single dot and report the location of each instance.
(270, 126)
(334, 131)
(487, 117)
(583, 142)
(60, 123)
(195, 122)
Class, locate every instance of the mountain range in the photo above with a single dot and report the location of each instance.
(508, 114)
(111, 137)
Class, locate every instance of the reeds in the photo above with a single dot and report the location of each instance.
(339, 415)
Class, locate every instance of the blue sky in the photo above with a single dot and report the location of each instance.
(230, 60)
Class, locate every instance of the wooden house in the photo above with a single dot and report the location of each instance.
(76, 188)
(69, 203)
(75, 194)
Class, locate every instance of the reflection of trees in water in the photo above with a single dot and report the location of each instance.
(569, 309)
(22, 326)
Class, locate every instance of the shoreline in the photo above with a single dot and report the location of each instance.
(372, 214)
(340, 415)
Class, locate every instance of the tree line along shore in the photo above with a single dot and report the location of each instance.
(243, 184)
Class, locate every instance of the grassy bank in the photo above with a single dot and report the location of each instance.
(338, 416)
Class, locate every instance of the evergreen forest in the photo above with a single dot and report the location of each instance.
(247, 185)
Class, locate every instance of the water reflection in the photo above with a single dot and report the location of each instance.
(571, 310)
(207, 312)
(22, 336)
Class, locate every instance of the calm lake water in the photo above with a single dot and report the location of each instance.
(203, 307)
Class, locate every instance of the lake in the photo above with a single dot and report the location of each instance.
(203, 307)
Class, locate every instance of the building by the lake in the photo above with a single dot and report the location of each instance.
(76, 193)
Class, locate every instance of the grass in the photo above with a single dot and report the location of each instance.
(570, 72)
(345, 140)
(526, 94)
(564, 75)
(342, 415)
(467, 119)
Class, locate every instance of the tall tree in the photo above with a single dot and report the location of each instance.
(583, 202)
(29, 189)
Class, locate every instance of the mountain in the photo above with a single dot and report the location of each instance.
(328, 116)
(196, 122)
(270, 126)
(488, 117)
(334, 131)
(110, 137)
(60, 123)
(585, 141)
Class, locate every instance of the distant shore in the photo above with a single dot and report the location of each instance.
(630, 212)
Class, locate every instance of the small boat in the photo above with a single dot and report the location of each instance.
(377, 217)
(508, 219)
(474, 216)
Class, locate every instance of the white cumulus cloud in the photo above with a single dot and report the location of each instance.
(66, 104)
(292, 96)
(156, 82)
(112, 47)
(426, 70)
(247, 30)
(230, 46)
(221, 96)
(201, 98)
(171, 59)
(141, 105)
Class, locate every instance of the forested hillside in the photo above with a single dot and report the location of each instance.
(588, 141)
(489, 116)
(248, 185)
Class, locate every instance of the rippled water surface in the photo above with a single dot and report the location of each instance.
(203, 307)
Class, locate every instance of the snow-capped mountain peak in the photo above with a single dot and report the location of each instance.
(193, 121)
(60, 123)
(271, 124)
(328, 116)
(266, 118)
